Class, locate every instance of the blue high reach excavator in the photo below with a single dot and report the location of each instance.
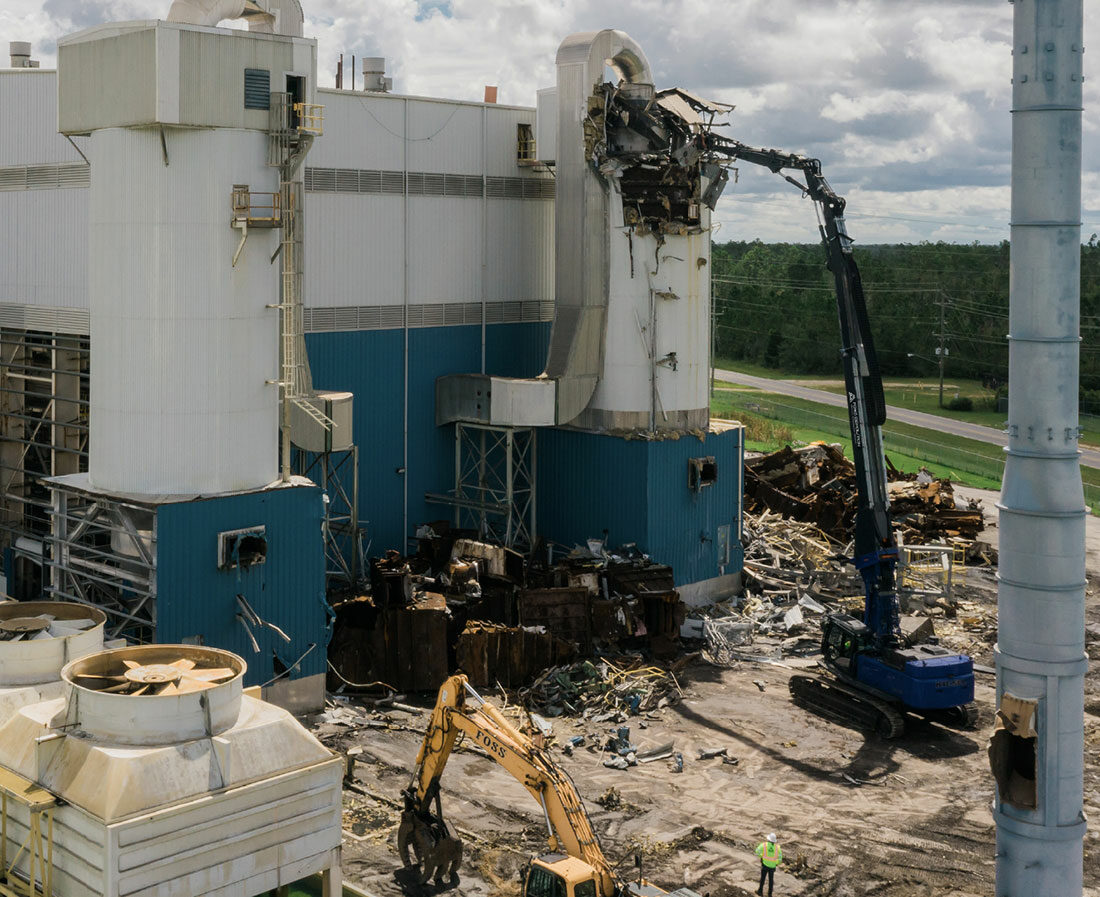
(874, 677)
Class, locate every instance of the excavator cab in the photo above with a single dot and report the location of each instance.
(558, 875)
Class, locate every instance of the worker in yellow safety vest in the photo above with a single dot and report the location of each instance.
(771, 855)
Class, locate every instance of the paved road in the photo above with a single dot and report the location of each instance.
(1089, 457)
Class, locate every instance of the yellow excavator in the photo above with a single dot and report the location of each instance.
(576, 865)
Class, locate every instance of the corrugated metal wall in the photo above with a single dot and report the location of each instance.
(44, 247)
(195, 598)
(371, 364)
(28, 98)
(638, 492)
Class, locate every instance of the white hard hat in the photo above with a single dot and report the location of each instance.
(771, 838)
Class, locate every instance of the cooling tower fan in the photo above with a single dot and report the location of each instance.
(154, 670)
(42, 626)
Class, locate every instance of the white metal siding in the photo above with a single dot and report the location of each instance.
(354, 249)
(361, 131)
(183, 341)
(44, 247)
(28, 136)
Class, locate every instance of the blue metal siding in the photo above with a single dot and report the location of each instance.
(638, 492)
(683, 524)
(516, 350)
(195, 598)
(370, 364)
(589, 483)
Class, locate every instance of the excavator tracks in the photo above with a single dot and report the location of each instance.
(833, 699)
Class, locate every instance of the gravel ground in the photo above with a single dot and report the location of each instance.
(855, 815)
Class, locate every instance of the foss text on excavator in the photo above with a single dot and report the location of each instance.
(576, 865)
(877, 678)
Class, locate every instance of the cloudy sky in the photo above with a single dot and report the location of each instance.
(905, 103)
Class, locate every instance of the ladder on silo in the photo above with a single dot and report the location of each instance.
(292, 128)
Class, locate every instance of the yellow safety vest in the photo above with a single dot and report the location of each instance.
(771, 855)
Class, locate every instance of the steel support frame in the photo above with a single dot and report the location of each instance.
(495, 490)
(43, 424)
(121, 578)
(337, 473)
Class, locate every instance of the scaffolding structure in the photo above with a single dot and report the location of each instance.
(102, 552)
(43, 433)
(494, 490)
(337, 473)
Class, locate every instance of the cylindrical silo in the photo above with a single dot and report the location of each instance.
(1037, 750)
(184, 341)
(656, 364)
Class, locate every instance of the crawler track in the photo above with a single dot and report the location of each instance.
(832, 699)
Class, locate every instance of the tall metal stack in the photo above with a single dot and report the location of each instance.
(1041, 660)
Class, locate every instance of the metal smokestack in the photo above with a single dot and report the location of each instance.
(1040, 655)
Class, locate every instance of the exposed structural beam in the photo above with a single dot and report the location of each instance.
(1037, 749)
(495, 473)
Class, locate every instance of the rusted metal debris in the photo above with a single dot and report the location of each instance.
(460, 603)
(816, 484)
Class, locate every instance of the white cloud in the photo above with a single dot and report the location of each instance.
(907, 105)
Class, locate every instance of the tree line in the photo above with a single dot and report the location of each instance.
(774, 306)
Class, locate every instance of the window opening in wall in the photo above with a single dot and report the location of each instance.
(525, 143)
(702, 472)
(242, 548)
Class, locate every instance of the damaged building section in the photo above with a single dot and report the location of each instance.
(459, 603)
(651, 145)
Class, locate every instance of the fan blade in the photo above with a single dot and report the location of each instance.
(213, 675)
(183, 664)
(103, 677)
(56, 630)
(79, 625)
(188, 685)
(140, 690)
(169, 689)
(45, 633)
(47, 617)
(132, 664)
(115, 689)
(18, 636)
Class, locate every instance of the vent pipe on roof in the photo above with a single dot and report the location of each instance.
(20, 53)
(581, 210)
(374, 74)
(1041, 662)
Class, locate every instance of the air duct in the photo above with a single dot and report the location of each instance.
(268, 16)
(374, 74)
(1037, 749)
(581, 211)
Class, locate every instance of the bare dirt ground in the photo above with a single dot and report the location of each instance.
(855, 815)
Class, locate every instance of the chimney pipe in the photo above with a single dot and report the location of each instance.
(374, 74)
(1040, 653)
(20, 53)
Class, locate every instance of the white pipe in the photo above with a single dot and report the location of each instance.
(1040, 654)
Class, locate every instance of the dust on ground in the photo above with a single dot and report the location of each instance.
(855, 815)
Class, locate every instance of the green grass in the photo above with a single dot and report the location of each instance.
(961, 460)
(918, 394)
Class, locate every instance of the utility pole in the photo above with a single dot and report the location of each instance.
(941, 351)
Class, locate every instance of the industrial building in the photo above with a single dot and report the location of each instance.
(201, 249)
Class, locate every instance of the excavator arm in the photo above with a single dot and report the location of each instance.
(875, 553)
(460, 710)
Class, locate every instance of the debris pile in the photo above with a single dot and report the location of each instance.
(502, 618)
(601, 691)
(817, 484)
